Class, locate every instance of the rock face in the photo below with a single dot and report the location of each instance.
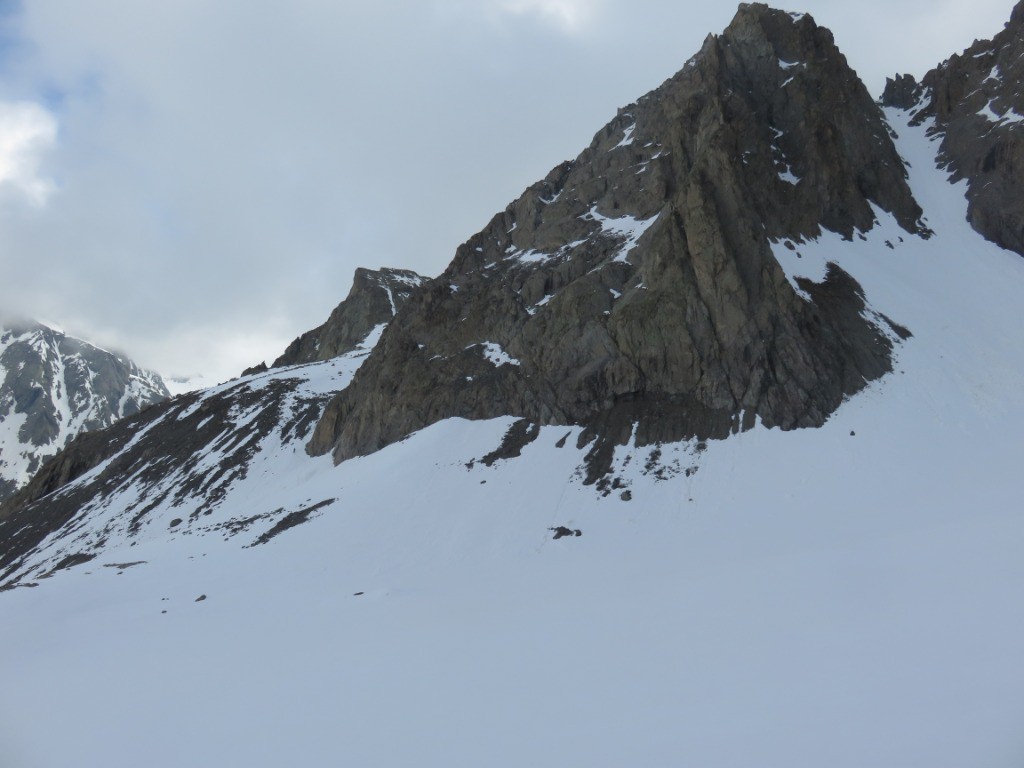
(53, 387)
(976, 100)
(375, 298)
(636, 284)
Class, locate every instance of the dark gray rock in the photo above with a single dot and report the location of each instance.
(635, 285)
(255, 369)
(902, 91)
(561, 531)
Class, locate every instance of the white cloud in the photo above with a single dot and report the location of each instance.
(568, 15)
(27, 131)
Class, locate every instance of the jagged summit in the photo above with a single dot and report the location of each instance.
(976, 100)
(636, 284)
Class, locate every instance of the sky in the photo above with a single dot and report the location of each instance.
(193, 183)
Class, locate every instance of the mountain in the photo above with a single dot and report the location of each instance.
(53, 387)
(976, 100)
(636, 284)
(703, 451)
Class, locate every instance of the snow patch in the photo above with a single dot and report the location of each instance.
(494, 354)
(627, 138)
(627, 227)
(531, 256)
(788, 176)
(413, 281)
(1010, 118)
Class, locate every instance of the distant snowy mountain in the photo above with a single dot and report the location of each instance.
(53, 387)
(703, 452)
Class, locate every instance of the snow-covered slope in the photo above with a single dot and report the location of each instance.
(842, 596)
(53, 387)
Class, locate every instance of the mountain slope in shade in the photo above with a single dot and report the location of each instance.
(843, 596)
(53, 387)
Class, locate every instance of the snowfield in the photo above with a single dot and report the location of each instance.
(848, 596)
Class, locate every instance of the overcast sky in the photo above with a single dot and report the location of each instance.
(194, 181)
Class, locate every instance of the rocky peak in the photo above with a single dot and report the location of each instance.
(976, 100)
(53, 387)
(902, 92)
(375, 297)
(634, 289)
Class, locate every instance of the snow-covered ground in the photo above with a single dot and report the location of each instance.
(847, 596)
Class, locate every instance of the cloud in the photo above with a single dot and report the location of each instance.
(568, 15)
(27, 131)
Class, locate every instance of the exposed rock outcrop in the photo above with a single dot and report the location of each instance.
(375, 297)
(902, 92)
(977, 101)
(634, 289)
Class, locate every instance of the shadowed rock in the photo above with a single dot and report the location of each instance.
(375, 297)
